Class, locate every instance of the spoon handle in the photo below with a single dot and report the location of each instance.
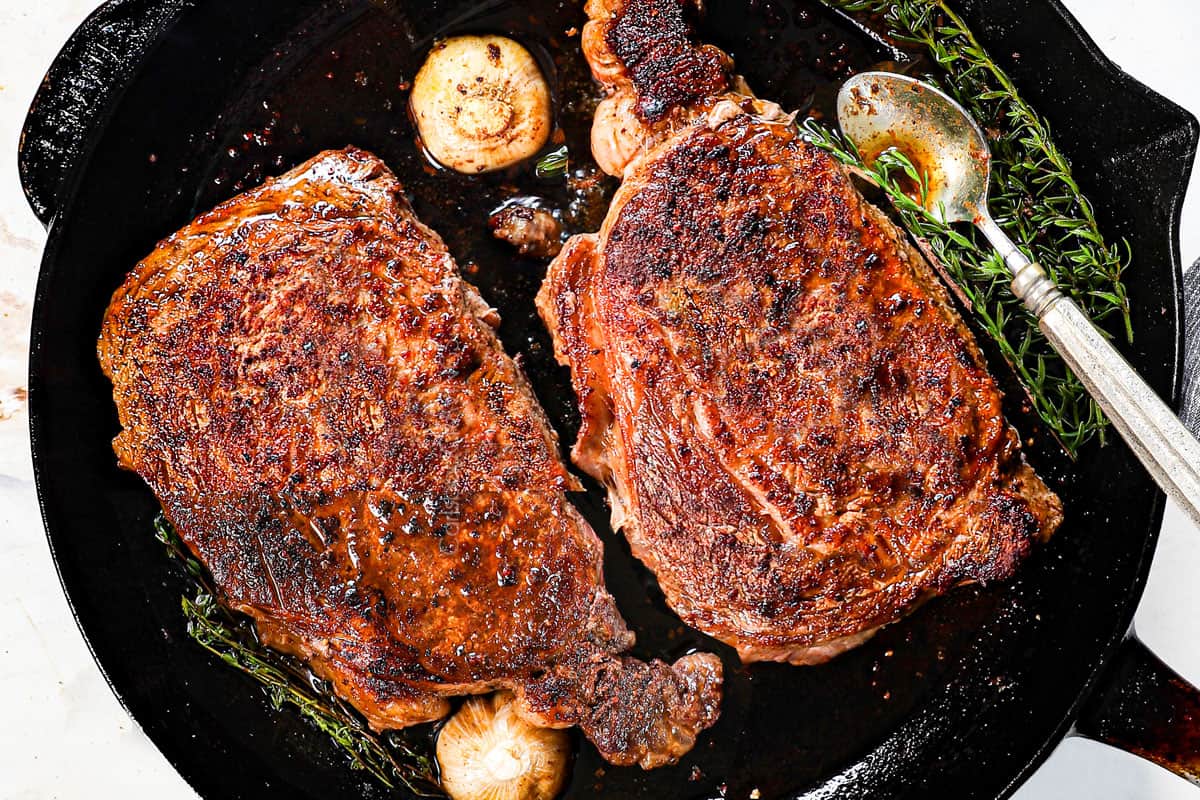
(1164, 446)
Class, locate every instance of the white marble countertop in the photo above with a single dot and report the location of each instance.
(63, 733)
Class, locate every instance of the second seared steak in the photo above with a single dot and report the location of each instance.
(798, 433)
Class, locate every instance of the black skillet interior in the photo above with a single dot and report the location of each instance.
(961, 699)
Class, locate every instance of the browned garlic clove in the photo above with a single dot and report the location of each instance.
(487, 752)
(481, 104)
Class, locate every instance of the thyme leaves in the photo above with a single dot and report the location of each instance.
(553, 164)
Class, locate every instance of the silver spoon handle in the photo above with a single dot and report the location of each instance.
(1164, 446)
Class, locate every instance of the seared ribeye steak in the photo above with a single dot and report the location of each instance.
(322, 406)
(798, 433)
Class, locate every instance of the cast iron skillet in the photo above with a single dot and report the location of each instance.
(156, 110)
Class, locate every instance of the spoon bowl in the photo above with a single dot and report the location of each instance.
(882, 111)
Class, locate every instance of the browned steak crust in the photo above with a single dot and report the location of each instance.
(799, 435)
(324, 410)
(653, 40)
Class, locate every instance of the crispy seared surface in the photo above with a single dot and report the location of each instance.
(653, 41)
(798, 433)
(324, 410)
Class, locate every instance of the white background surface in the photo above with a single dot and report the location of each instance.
(63, 735)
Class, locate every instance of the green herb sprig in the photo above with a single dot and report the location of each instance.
(1034, 198)
(231, 639)
(553, 164)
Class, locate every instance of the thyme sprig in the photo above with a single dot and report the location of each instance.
(287, 683)
(553, 164)
(1034, 198)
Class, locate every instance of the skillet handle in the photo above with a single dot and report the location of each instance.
(88, 74)
(1143, 707)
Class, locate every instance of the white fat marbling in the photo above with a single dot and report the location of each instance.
(63, 735)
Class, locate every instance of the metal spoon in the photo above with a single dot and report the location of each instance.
(878, 111)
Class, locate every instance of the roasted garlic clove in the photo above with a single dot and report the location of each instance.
(618, 134)
(481, 104)
(487, 752)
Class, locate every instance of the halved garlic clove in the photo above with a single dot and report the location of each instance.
(481, 103)
(487, 752)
